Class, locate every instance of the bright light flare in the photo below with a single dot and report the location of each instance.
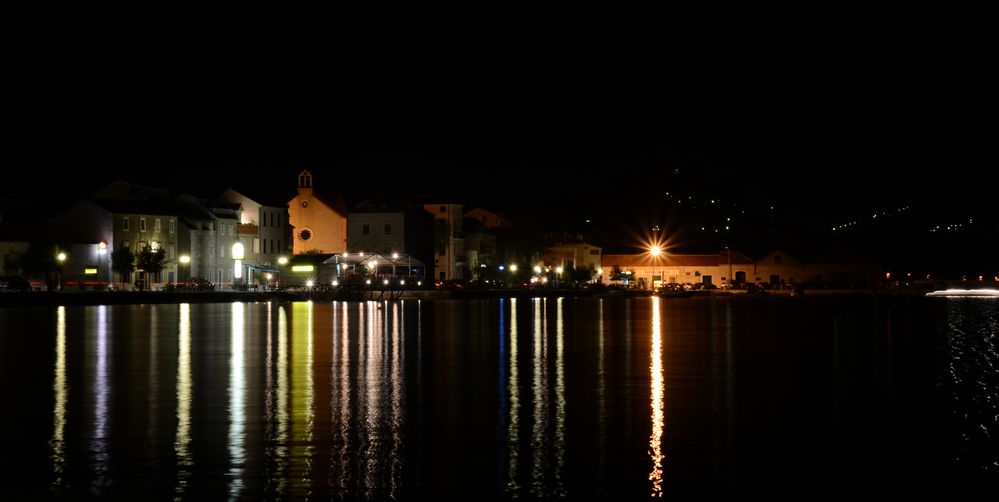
(965, 292)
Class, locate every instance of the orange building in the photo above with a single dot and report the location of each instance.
(319, 221)
(643, 269)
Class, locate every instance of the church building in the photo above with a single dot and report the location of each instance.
(319, 220)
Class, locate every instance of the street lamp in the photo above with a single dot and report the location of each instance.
(62, 259)
(184, 260)
(102, 251)
(237, 256)
(655, 250)
(558, 276)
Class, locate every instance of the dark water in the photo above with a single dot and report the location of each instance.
(495, 399)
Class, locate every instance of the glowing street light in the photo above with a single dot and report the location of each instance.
(237, 255)
(62, 258)
(282, 260)
(655, 250)
(185, 259)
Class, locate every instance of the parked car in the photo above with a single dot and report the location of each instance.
(201, 284)
(14, 283)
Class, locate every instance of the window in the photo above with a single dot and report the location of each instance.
(594, 252)
(256, 246)
(173, 252)
(305, 203)
(776, 258)
(443, 209)
(388, 228)
(126, 245)
(305, 234)
(365, 229)
(158, 225)
(124, 224)
(232, 229)
(142, 224)
(222, 229)
(173, 226)
(221, 251)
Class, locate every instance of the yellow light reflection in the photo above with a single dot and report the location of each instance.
(182, 441)
(658, 389)
(302, 411)
(237, 396)
(601, 395)
(59, 409)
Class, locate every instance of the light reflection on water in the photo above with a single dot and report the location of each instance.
(970, 380)
(237, 408)
(299, 400)
(61, 391)
(182, 442)
(658, 417)
(99, 445)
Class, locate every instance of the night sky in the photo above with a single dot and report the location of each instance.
(825, 132)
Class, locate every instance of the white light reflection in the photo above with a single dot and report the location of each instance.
(182, 441)
(344, 404)
(99, 443)
(513, 429)
(237, 406)
(397, 385)
(59, 408)
(372, 401)
(539, 387)
(281, 438)
(658, 389)
(559, 401)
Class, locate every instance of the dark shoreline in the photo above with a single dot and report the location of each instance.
(150, 297)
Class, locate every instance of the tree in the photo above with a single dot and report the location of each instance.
(40, 259)
(151, 262)
(123, 262)
(615, 274)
